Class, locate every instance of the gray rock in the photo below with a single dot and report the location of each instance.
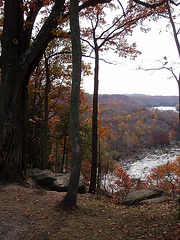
(62, 181)
(54, 181)
(41, 177)
(154, 200)
(135, 197)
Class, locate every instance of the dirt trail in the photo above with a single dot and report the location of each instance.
(17, 204)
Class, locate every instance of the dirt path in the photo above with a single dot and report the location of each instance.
(17, 206)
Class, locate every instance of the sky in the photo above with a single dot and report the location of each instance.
(126, 78)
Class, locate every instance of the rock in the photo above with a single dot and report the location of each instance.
(62, 181)
(177, 199)
(54, 181)
(41, 177)
(154, 200)
(135, 197)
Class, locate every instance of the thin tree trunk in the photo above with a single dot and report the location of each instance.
(92, 188)
(67, 158)
(45, 145)
(175, 33)
(99, 167)
(64, 151)
(70, 199)
(179, 104)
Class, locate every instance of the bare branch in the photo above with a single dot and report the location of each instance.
(108, 29)
(84, 40)
(91, 3)
(177, 4)
(124, 14)
(59, 53)
(160, 68)
(101, 59)
(155, 5)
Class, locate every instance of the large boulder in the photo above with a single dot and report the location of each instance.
(136, 197)
(62, 181)
(54, 181)
(41, 177)
(154, 200)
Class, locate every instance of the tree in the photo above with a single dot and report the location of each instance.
(170, 14)
(20, 55)
(111, 37)
(18, 60)
(70, 199)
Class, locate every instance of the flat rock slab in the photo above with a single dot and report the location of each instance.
(135, 197)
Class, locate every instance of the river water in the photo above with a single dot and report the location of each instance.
(141, 167)
(165, 108)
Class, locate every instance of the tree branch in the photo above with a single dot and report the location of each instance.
(160, 68)
(29, 23)
(155, 5)
(91, 3)
(177, 4)
(173, 27)
(34, 53)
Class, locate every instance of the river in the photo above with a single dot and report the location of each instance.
(165, 108)
(141, 167)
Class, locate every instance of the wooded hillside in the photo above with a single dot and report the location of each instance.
(140, 100)
(134, 127)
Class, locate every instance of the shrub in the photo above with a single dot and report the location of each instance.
(167, 177)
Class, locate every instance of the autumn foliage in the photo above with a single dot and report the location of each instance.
(121, 184)
(167, 177)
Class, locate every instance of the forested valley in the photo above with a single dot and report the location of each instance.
(125, 128)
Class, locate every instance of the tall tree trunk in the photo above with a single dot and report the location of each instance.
(175, 33)
(18, 60)
(11, 95)
(99, 167)
(70, 199)
(64, 150)
(45, 140)
(92, 187)
(179, 105)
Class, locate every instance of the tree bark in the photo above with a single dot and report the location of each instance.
(178, 82)
(11, 94)
(70, 199)
(45, 145)
(92, 188)
(19, 59)
(99, 167)
(64, 150)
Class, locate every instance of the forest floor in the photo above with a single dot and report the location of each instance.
(29, 213)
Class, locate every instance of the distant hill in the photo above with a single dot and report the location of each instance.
(139, 100)
(154, 101)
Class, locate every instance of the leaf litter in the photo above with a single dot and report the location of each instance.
(29, 213)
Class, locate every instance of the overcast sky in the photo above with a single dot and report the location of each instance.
(125, 78)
